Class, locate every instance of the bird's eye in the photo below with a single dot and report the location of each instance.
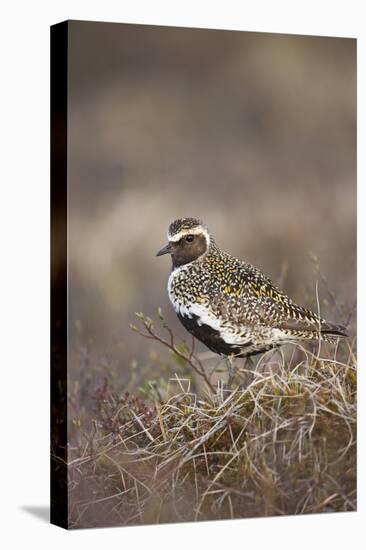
(189, 238)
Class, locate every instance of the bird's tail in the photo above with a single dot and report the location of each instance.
(310, 327)
(331, 329)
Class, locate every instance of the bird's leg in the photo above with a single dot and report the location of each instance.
(231, 370)
(248, 367)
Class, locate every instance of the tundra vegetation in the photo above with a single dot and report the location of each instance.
(195, 439)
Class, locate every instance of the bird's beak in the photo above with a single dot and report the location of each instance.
(165, 250)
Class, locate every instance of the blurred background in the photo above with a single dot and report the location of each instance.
(253, 133)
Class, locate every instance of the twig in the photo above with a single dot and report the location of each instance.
(191, 359)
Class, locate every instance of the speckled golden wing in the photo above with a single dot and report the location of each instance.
(255, 300)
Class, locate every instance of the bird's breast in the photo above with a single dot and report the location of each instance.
(186, 288)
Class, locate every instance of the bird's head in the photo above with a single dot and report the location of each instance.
(188, 239)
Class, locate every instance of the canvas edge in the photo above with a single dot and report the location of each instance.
(58, 313)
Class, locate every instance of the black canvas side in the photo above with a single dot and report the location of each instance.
(59, 70)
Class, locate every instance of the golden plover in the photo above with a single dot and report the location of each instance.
(229, 305)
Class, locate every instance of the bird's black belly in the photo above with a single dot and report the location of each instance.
(212, 339)
(209, 336)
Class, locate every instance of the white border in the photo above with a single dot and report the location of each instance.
(25, 268)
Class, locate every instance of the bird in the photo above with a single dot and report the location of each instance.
(229, 305)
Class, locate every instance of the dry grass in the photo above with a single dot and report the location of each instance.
(283, 442)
